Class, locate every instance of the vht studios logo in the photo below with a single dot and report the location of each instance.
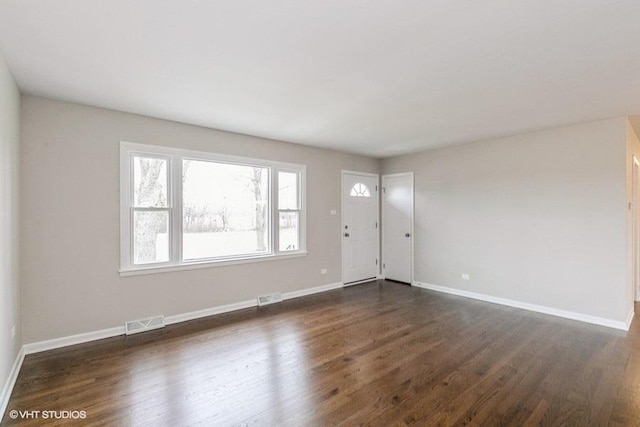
(48, 415)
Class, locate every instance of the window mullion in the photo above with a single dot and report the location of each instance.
(302, 205)
(176, 229)
(275, 213)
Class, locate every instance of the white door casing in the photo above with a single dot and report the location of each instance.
(360, 236)
(635, 227)
(397, 227)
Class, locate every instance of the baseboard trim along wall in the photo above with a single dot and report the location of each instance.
(169, 320)
(11, 381)
(531, 307)
(184, 317)
(360, 282)
(632, 312)
(52, 344)
(311, 291)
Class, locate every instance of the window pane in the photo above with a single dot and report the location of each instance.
(287, 190)
(225, 210)
(360, 190)
(289, 234)
(150, 237)
(149, 182)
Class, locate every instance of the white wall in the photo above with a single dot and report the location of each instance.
(9, 245)
(70, 233)
(537, 218)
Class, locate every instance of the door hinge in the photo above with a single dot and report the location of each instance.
(384, 190)
(384, 265)
(376, 225)
(376, 188)
(376, 261)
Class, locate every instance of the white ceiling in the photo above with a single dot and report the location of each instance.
(377, 77)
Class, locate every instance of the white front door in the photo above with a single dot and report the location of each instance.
(359, 227)
(397, 227)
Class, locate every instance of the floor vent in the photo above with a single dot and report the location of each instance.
(136, 326)
(269, 299)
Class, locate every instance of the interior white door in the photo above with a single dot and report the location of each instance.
(359, 227)
(397, 227)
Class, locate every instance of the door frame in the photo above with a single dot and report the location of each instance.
(635, 227)
(412, 210)
(378, 257)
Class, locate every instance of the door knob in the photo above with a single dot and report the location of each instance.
(407, 235)
(346, 234)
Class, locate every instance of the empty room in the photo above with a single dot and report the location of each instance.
(318, 213)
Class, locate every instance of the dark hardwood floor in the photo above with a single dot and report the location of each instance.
(374, 354)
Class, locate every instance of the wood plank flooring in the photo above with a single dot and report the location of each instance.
(380, 353)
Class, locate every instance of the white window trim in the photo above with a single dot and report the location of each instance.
(174, 158)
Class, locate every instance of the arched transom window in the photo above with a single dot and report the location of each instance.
(360, 190)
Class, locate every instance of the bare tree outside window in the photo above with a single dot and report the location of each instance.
(150, 191)
(224, 213)
(257, 187)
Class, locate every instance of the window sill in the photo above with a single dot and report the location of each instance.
(209, 264)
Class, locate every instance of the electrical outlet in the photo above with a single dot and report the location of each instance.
(334, 212)
(323, 271)
(465, 276)
(13, 332)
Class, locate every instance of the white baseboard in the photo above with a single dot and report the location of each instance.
(311, 291)
(169, 320)
(39, 346)
(610, 323)
(11, 381)
(192, 315)
(360, 282)
(632, 312)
